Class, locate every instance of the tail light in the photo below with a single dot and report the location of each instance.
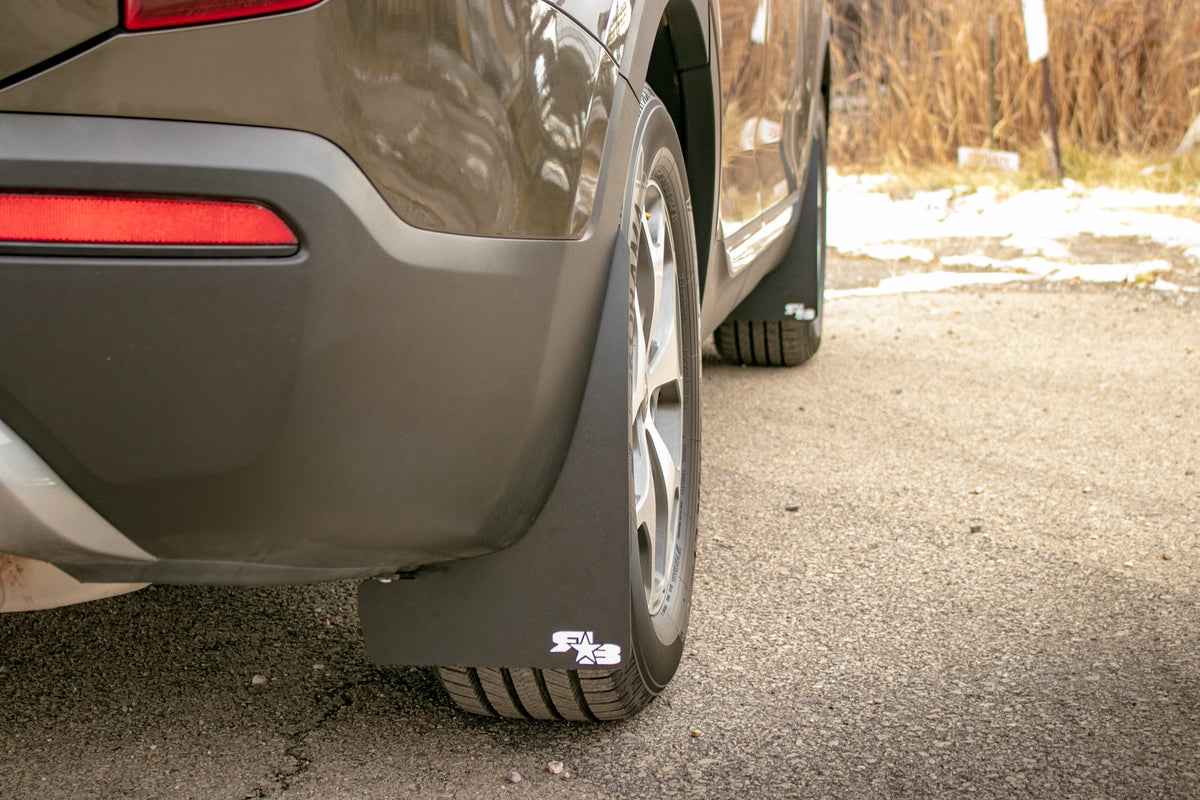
(141, 225)
(146, 14)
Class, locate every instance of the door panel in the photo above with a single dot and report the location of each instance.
(783, 23)
(743, 67)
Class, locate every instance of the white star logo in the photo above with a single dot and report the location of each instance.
(585, 649)
(587, 652)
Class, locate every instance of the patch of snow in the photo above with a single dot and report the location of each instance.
(974, 261)
(929, 282)
(865, 221)
(1033, 266)
(1108, 273)
(1166, 286)
(860, 216)
(1138, 198)
(897, 252)
(1037, 245)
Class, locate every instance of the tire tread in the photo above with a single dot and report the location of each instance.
(784, 343)
(547, 694)
(530, 687)
(465, 689)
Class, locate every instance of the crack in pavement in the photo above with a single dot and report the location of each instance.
(336, 700)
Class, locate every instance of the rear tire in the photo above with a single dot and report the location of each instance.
(664, 414)
(785, 342)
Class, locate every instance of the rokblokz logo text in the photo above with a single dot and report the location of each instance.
(587, 652)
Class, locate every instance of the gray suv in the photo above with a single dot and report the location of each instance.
(408, 291)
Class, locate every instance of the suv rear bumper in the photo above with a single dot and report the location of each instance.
(386, 397)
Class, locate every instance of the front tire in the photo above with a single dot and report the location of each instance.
(664, 415)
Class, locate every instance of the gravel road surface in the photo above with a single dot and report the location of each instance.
(957, 555)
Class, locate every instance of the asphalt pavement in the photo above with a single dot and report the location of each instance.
(956, 555)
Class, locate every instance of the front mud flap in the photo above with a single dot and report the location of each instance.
(560, 596)
(794, 290)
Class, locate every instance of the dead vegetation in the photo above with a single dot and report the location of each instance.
(914, 79)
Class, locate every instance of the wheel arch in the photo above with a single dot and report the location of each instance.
(676, 56)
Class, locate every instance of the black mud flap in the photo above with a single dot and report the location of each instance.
(560, 596)
(793, 289)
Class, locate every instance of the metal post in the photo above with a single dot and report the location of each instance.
(992, 81)
(1037, 37)
(1056, 152)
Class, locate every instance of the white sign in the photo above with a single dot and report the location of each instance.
(1037, 30)
(991, 159)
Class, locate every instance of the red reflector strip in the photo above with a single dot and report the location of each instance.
(146, 14)
(138, 221)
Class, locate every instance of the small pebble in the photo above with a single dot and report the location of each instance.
(977, 490)
(1129, 564)
(513, 777)
(976, 528)
(555, 768)
(1167, 556)
(695, 734)
(318, 667)
(793, 509)
(258, 680)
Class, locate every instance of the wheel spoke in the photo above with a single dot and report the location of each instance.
(664, 464)
(667, 370)
(646, 496)
(639, 390)
(656, 235)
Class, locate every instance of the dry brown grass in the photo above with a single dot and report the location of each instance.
(911, 78)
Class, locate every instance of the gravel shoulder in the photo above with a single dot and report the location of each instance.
(956, 555)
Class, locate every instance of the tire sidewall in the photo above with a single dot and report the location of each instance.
(818, 170)
(658, 641)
